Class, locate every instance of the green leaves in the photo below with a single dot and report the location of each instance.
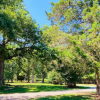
(17, 28)
(80, 52)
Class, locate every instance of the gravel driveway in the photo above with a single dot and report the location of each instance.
(26, 96)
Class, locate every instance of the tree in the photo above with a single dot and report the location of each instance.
(10, 70)
(81, 17)
(25, 65)
(60, 41)
(16, 28)
(54, 77)
(45, 57)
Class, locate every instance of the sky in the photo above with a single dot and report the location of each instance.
(37, 10)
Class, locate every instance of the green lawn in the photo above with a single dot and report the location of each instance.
(90, 96)
(90, 85)
(33, 87)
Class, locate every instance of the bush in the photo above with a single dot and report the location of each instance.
(71, 75)
(54, 77)
(21, 78)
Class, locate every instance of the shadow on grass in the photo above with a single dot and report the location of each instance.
(34, 88)
(66, 97)
(82, 87)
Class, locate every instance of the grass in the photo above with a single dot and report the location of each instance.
(33, 87)
(82, 96)
(91, 85)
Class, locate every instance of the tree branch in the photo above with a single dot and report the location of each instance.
(23, 51)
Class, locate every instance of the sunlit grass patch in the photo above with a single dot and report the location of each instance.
(91, 85)
(34, 87)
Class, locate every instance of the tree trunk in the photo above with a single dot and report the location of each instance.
(28, 79)
(74, 84)
(1, 73)
(97, 82)
(32, 77)
(65, 83)
(11, 80)
(42, 77)
(12, 75)
(17, 75)
(60, 81)
(33, 73)
(28, 76)
(71, 85)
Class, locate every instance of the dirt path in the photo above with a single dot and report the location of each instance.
(26, 96)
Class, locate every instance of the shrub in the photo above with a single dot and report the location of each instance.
(54, 77)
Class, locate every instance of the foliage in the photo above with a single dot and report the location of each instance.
(80, 19)
(18, 32)
(53, 77)
(10, 69)
(71, 45)
(15, 24)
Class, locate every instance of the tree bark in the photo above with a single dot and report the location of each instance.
(42, 77)
(65, 83)
(1, 73)
(32, 77)
(28, 76)
(74, 84)
(28, 79)
(32, 74)
(12, 75)
(11, 80)
(97, 82)
(17, 76)
(60, 81)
